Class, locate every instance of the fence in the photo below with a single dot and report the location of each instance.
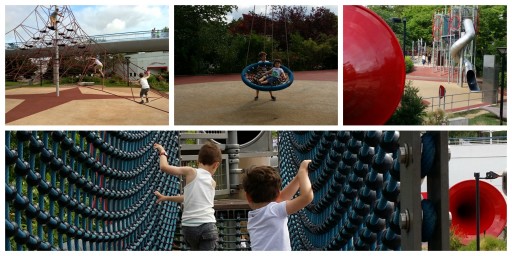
(459, 100)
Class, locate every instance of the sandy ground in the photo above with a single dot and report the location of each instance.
(232, 103)
(82, 105)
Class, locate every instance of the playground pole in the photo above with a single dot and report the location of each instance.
(405, 32)
(503, 52)
(56, 61)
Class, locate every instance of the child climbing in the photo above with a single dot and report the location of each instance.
(267, 222)
(144, 86)
(198, 218)
(53, 18)
(261, 72)
(97, 65)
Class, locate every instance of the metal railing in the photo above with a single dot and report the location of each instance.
(105, 38)
(129, 36)
(458, 100)
(478, 140)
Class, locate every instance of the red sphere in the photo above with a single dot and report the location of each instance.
(373, 68)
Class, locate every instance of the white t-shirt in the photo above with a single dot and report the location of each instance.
(198, 200)
(277, 72)
(268, 228)
(97, 62)
(144, 83)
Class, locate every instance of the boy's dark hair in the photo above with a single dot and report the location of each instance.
(209, 154)
(262, 184)
(141, 75)
(277, 60)
(261, 54)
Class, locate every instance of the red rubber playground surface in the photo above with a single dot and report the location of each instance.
(312, 99)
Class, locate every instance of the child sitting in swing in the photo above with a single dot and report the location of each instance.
(261, 71)
(272, 76)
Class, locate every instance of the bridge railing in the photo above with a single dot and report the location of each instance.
(106, 38)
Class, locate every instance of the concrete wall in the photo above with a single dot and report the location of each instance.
(468, 159)
(158, 60)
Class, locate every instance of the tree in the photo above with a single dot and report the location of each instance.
(191, 21)
(491, 32)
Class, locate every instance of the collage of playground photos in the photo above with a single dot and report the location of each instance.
(186, 127)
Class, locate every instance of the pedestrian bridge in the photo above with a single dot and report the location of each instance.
(129, 42)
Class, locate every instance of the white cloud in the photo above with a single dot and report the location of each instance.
(265, 10)
(98, 19)
(115, 26)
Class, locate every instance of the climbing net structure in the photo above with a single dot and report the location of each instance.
(85, 190)
(356, 178)
(39, 48)
(80, 190)
(40, 51)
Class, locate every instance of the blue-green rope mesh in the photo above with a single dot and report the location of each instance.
(80, 190)
(355, 178)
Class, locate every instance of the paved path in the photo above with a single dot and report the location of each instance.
(496, 110)
(83, 105)
(458, 98)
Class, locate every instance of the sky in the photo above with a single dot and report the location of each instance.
(260, 9)
(100, 19)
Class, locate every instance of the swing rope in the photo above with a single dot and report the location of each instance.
(264, 30)
(250, 35)
(128, 77)
(272, 36)
(286, 38)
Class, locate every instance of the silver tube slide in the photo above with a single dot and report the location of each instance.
(456, 50)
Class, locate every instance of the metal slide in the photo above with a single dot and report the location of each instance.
(458, 47)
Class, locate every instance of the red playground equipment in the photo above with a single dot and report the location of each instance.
(373, 68)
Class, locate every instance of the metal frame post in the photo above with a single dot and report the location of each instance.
(438, 191)
(410, 181)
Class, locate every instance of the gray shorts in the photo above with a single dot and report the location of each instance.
(144, 92)
(201, 238)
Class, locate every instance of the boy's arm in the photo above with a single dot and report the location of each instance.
(306, 192)
(160, 198)
(290, 190)
(170, 169)
(147, 74)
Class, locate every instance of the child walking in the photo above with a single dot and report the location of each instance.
(198, 219)
(268, 220)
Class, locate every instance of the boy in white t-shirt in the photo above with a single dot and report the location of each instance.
(198, 218)
(268, 220)
(144, 85)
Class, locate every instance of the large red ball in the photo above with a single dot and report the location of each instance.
(373, 68)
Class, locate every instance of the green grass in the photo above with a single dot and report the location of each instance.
(482, 119)
(160, 86)
(487, 243)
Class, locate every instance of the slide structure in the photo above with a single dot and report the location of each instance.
(458, 47)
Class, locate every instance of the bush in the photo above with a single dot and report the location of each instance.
(487, 243)
(411, 110)
(409, 65)
(437, 117)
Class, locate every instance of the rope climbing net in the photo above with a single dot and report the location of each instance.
(37, 51)
(355, 177)
(32, 53)
(80, 190)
